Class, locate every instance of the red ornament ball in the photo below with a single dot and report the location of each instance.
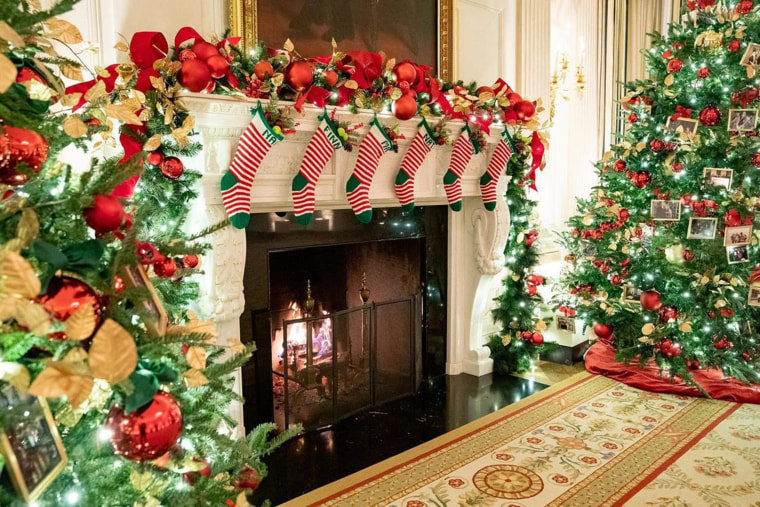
(668, 313)
(405, 72)
(710, 116)
(263, 70)
(299, 75)
(734, 46)
(537, 339)
(405, 108)
(525, 110)
(194, 75)
(675, 65)
(526, 335)
(756, 160)
(677, 167)
(331, 78)
(650, 300)
(687, 255)
(673, 349)
(603, 331)
(633, 118)
(165, 268)
(148, 432)
(641, 179)
(248, 478)
(619, 165)
(18, 146)
(205, 50)
(187, 54)
(657, 145)
(703, 73)
(65, 295)
(155, 158)
(172, 168)
(190, 261)
(744, 7)
(218, 66)
(105, 215)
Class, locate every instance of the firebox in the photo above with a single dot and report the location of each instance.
(345, 316)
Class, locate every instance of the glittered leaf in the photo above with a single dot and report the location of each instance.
(74, 126)
(685, 327)
(242, 500)
(122, 113)
(113, 353)
(194, 378)
(95, 92)
(71, 71)
(288, 46)
(140, 481)
(153, 143)
(196, 357)
(351, 84)
(18, 277)
(63, 31)
(81, 324)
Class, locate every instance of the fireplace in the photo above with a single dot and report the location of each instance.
(344, 316)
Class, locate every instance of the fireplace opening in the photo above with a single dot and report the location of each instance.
(344, 319)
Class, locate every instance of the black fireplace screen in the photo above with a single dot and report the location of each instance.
(330, 366)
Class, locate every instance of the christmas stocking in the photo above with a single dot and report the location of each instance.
(321, 147)
(253, 146)
(372, 147)
(495, 169)
(463, 151)
(423, 142)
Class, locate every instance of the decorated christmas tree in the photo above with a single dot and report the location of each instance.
(97, 288)
(663, 256)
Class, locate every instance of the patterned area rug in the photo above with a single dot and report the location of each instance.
(585, 441)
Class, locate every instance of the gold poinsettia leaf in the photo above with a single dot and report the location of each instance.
(71, 99)
(685, 327)
(15, 374)
(485, 96)
(60, 379)
(63, 31)
(71, 71)
(140, 481)
(158, 83)
(113, 353)
(9, 34)
(33, 316)
(194, 378)
(8, 73)
(720, 303)
(669, 80)
(133, 104)
(647, 329)
(647, 340)
(181, 136)
(81, 324)
(235, 346)
(18, 277)
(122, 113)
(288, 46)
(74, 126)
(96, 91)
(351, 84)
(153, 143)
(196, 357)
(76, 358)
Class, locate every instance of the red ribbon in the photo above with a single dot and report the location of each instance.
(537, 150)
(315, 95)
(367, 67)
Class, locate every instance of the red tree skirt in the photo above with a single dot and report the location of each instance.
(600, 360)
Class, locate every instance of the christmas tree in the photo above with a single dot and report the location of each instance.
(97, 286)
(663, 255)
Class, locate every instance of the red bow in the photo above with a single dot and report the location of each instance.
(366, 68)
(733, 218)
(567, 311)
(681, 112)
(537, 150)
(315, 95)
(533, 281)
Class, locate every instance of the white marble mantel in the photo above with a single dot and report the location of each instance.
(476, 237)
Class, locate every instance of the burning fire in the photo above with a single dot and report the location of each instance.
(321, 338)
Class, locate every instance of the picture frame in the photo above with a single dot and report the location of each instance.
(688, 126)
(29, 443)
(718, 176)
(631, 294)
(737, 236)
(152, 312)
(742, 120)
(665, 211)
(251, 18)
(565, 323)
(702, 228)
(751, 56)
(737, 254)
(753, 294)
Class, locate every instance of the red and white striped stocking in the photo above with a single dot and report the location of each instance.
(423, 142)
(496, 166)
(322, 145)
(236, 184)
(463, 151)
(372, 147)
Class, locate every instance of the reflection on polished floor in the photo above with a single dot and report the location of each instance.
(443, 404)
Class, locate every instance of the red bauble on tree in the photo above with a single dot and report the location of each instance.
(703, 73)
(619, 165)
(744, 7)
(756, 160)
(299, 75)
(190, 261)
(675, 65)
(194, 75)
(218, 66)
(668, 313)
(105, 215)
(641, 179)
(165, 268)
(248, 478)
(537, 339)
(657, 145)
(148, 432)
(20, 146)
(603, 331)
(205, 50)
(405, 72)
(633, 118)
(172, 168)
(650, 300)
(734, 46)
(525, 110)
(65, 295)
(155, 158)
(187, 54)
(263, 70)
(405, 108)
(709, 116)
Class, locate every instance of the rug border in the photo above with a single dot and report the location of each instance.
(341, 486)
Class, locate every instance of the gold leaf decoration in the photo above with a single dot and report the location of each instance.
(288, 46)
(8, 73)
(194, 378)
(63, 31)
(9, 34)
(34, 317)
(96, 91)
(74, 126)
(71, 99)
(81, 324)
(113, 353)
(153, 143)
(196, 357)
(28, 227)
(669, 80)
(121, 46)
(242, 500)
(236, 346)
(18, 277)
(58, 379)
(685, 327)
(122, 113)
(647, 329)
(71, 71)
(351, 84)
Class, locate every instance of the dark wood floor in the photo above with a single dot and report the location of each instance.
(445, 403)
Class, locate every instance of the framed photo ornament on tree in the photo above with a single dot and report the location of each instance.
(420, 31)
